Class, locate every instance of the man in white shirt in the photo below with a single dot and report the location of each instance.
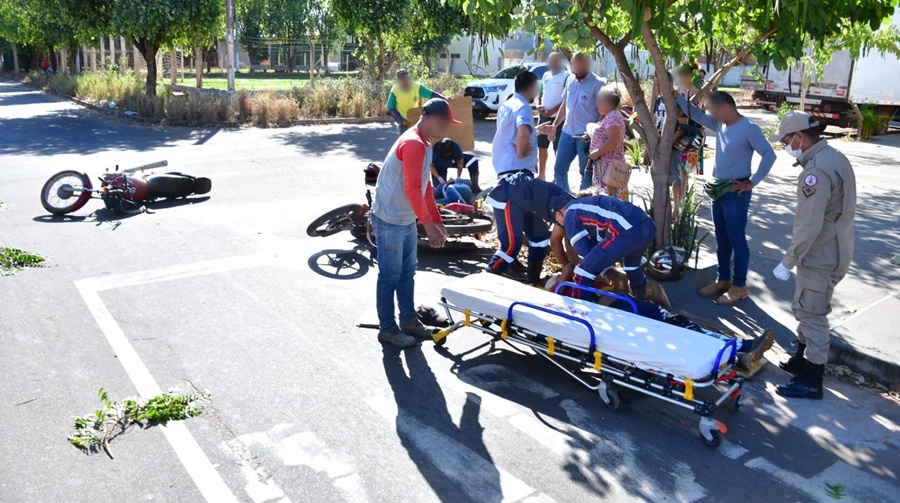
(553, 84)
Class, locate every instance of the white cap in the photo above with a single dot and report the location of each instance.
(791, 123)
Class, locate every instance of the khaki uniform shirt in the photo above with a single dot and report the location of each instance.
(826, 207)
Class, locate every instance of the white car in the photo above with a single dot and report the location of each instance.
(488, 94)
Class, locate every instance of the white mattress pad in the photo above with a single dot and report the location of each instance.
(647, 343)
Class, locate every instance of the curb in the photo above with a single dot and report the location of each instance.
(840, 353)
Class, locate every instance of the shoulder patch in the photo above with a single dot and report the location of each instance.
(809, 191)
(811, 180)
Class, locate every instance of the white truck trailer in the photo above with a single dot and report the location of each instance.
(872, 79)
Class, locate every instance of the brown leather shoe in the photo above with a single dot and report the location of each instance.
(762, 345)
(714, 290)
(734, 295)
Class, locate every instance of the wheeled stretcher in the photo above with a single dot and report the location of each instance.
(601, 347)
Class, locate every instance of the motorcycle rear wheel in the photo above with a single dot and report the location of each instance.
(474, 225)
(335, 221)
(63, 192)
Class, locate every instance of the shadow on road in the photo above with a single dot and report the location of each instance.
(74, 130)
(427, 432)
(104, 215)
(369, 142)
(342, 264)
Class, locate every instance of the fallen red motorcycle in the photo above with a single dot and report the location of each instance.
(121, 191)
(459, 219)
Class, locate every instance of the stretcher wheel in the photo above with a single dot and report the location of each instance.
(614, 400)
(736, 403)
(440, 342)
(716, 441)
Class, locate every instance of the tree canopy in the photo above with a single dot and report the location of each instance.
(673, 31)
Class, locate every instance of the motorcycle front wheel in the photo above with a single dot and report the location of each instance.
(335, 221)
(64, 192)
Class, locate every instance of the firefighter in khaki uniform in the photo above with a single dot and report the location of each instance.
(821, 247)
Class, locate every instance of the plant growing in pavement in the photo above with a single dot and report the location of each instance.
(95, 431)
(835, 491)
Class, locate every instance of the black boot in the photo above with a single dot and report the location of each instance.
(807, 385)
(533, 276)
(473, 177)
(797, 361)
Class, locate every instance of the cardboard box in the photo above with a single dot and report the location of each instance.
(464, 133)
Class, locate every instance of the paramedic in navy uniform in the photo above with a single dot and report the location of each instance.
(522, 204)
(604, 230)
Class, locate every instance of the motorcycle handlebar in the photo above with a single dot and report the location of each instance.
(157, 164)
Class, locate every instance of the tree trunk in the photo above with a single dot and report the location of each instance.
(198, 65)
(148, 50)
(312, 59)
(449, 61)
(112, 51)
(102, 51)
(173, 66)
(15, 52)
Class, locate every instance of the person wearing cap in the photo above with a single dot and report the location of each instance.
(598, 231)
(737, 138)
(821, 246)
(406, 95)
(404, 194)
(523, 205)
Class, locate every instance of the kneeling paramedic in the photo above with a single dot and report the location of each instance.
(522, 204)
(603, 230)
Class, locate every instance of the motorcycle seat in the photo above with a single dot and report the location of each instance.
(170, 185)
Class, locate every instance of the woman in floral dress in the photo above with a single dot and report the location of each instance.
(608, 140)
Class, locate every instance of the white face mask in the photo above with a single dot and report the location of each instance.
(790, 150)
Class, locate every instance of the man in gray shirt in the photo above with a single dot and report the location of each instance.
(737, 137)
(581, 105)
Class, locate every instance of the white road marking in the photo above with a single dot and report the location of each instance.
(862, 310)
(306, 449)
(731, 450)
(470, 471)
(858, 485)
(198, 466)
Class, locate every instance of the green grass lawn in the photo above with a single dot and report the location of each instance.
(258, 81)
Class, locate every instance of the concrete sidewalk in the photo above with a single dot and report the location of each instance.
(866, 307)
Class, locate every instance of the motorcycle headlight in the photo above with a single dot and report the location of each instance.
(495, 89)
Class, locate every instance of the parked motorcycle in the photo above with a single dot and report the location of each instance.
(121, 191)
(459, 219)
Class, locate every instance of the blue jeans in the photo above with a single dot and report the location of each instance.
(457, 192)
(729, 216)
(571, 147)
(396, 269)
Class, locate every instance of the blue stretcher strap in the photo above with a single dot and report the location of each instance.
(732, 343)
(509, 317)
(576, 286)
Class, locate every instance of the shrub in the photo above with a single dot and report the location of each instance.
(451, 86)
(872, 122)
(783, 109)
(348, 97)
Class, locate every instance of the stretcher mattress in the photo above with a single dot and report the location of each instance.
(647, 343)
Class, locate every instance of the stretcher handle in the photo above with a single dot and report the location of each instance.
(509, 317)
(732, 343)
(576, 286)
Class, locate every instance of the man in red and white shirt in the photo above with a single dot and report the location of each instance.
(403, 195)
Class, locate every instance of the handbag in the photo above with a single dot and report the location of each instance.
(616, 174)
(716, 188)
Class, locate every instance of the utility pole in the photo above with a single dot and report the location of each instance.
(229, 41)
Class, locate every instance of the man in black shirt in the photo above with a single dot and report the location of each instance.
(448, 154)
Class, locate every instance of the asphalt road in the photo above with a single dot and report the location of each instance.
(227, 294)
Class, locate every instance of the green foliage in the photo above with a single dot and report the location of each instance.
(392, 30)
(96, 430)
(685, 229)
(835, 491)
(873, 122)
(783, 109)
(634, 152)
(13, 259)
